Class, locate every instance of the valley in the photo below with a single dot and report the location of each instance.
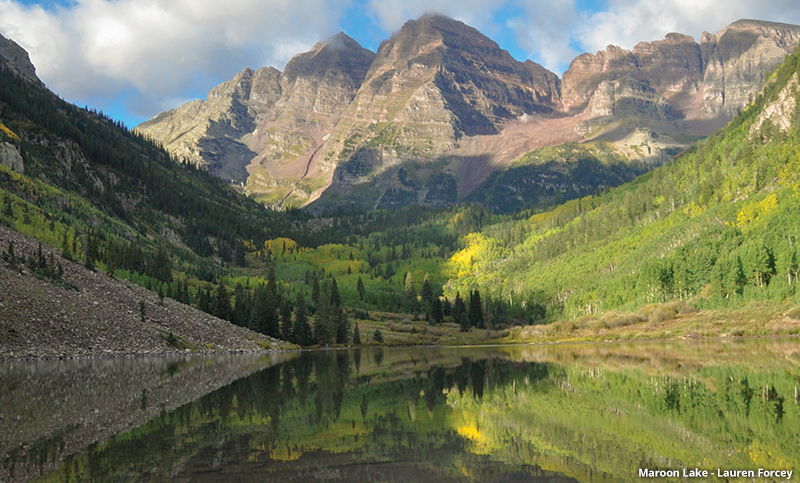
(452, 196)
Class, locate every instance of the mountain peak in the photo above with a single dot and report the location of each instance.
(340, 41)
(435, 25)
(339, 53)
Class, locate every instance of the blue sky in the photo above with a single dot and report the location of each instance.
(135, 58)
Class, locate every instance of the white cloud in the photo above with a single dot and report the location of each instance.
(627, 22)
(160, 48)
(392, 14)
(545, 31)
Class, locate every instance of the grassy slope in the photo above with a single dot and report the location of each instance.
(673, 233)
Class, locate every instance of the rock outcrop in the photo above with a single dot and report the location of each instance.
(710, 81)
(14, 57)
(208, 133)
(9, 156)
(668, 67)
(782, 112)
(737, 60)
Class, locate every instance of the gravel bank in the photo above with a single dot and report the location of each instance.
(95, 315)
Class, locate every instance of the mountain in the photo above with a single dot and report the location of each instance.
(639, 109)
(265, 128)
(434, 86)
(716, 227)
(441, 107)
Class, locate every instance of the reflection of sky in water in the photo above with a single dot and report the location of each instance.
(592, 412)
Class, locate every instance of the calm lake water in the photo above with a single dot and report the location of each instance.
(559, 413)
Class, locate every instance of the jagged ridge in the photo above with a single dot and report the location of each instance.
(441, 106)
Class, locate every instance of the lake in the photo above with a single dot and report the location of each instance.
(534, 413)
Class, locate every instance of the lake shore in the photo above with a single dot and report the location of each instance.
(90, 314)
(666, 321)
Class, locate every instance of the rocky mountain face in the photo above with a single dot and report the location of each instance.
(737, 60)
(441, 107)
(14, 57)
(433, 84)
(264, 128)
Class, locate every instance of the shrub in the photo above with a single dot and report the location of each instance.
(794, 314)
(615, 319)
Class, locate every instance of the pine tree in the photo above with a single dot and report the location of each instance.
(356, 336)
(270, 318)
(475, 314)
(436, 312)
(459, 312)
(302, 329)
(8, 210)
(242, 311)
(360, 289)
(161, 266)
(204, 299)
(286, 320)
(335, 299)
(322, 322)
(66, 246)
(427, 290)
(90, 252)
(12, 259)
(342, 323)
(239, 258)
(222, 302)
(315, 290)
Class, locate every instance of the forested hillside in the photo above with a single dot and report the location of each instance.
(117, 202)
(719, 226)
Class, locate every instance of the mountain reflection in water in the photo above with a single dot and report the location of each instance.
(589, 412)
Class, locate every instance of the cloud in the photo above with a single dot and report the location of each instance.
(392, 14)
(161, 48)
(545, 31)
(627, 22)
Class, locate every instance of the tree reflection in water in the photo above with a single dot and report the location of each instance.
(501, 414)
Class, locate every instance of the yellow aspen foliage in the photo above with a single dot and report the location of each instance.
(479, 249)
(277, 245)
(8, 132)
(752, 211)
(693, 209)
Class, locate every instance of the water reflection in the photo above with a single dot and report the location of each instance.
(527, 413)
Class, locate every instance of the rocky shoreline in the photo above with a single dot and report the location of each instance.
(89, 314)
(50, 410)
